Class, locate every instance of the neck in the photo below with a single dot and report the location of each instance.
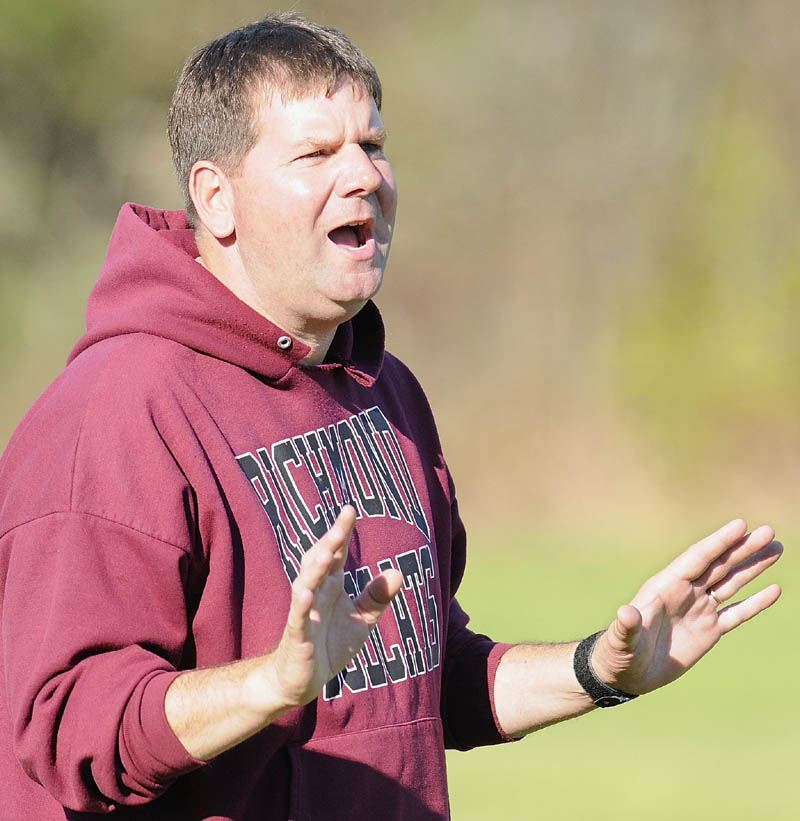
(319, 345)
(318, 339)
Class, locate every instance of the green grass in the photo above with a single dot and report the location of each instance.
(722, 742)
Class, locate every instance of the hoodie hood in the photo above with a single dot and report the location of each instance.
(150, 283)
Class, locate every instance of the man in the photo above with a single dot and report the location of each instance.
(230, 545)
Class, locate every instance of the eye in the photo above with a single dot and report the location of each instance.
(372, 148)
(317, 154)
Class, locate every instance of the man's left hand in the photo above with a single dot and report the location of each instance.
(679, 614)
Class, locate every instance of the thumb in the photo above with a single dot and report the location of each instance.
(614, 650)
(624, 631)
(377, 595)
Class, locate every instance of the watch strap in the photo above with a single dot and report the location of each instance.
(602, 694)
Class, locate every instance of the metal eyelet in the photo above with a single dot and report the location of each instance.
(284, 342)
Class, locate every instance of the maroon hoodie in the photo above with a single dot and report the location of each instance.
(154, 506)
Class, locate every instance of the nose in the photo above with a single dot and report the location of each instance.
(358, 176)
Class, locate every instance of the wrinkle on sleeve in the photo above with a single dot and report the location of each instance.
(86, 696)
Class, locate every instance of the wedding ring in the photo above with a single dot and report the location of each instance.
(713, 593)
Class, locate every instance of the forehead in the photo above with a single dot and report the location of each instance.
(299, 115)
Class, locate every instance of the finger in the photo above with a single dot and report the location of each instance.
(377, 595)
(735, 614)
(315, 566)
(694, 561)
(338, 537)
(728, 586)
(328, 554)
(298, 620)
(743, 551)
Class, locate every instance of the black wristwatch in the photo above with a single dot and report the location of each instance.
(602, 694)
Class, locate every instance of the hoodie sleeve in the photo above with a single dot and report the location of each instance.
(99, 559)
(470, 665)
(86, 695)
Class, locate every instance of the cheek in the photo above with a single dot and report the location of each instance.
(272, 219)
(302, 195)
(280, 203)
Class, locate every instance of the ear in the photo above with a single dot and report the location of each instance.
(210, 193)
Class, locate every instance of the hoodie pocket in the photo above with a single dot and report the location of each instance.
(389, 773)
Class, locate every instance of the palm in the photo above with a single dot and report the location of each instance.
(325, 627)
(335, 630)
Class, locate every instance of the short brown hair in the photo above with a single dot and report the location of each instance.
(212, 115)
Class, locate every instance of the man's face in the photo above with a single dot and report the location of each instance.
(314, 205)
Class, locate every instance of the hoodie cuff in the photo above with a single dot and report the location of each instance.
(492, 663)
(154, 751)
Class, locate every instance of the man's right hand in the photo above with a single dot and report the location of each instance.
(325, 627)
(212, 709)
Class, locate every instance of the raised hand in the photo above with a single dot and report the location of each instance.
(679, 614)
(325, 628)
(211, 709)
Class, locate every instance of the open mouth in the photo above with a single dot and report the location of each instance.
(352, 235)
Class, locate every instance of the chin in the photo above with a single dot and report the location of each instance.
(361, 290)
(348, 309)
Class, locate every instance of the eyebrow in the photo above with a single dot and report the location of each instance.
(379, 134)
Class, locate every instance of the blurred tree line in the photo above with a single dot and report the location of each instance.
(596, 264)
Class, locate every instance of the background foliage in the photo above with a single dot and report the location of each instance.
(595, 275)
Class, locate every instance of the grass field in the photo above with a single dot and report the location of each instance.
(722, 742)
